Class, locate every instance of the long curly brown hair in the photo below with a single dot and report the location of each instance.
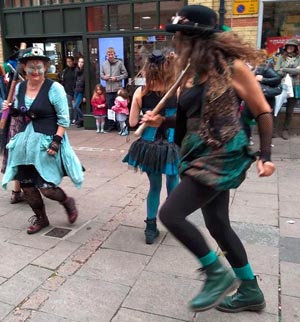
(213, 55)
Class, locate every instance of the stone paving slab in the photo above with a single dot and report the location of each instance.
(163, 294)
(175, 261)
(254, 215)
(291, 311)
(55, 256)
(290, 279)
(37, 241)
(126, 315)
(289, 227)
(290, 208)
(105, 265)
(289, 249)
(262, 200)
(216, 316)
(46, 317)
(14, 290)
(84, 300)
(130, 239)
(16, 258)
(4, 309)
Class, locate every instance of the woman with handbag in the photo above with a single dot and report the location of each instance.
(270, 83)
(289, 62)
(214, 154)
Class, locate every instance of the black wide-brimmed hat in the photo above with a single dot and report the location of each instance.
(194, 19)
(33, 53)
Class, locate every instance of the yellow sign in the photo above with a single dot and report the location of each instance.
(245, 7)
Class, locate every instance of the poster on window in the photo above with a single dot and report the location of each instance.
(117, 43)
(275, 46)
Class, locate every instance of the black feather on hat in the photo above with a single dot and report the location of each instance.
(195, 19)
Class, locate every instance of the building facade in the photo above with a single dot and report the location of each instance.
(134, 27)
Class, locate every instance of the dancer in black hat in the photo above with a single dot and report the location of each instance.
(214, 152)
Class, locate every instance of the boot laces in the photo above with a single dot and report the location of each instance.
(34, 220)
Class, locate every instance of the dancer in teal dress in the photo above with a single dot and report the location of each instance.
(155, 153)
(214, 153)
(40, 155)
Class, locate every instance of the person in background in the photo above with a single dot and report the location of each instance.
(289, 62)
(68, 81)
(269, 81)
(267, 31)
(79, 91)
(155, 153)
(3, 87)
(113, 72)
(121, 109)
(214, 153)
(12, 127)
(98, 103)
(40, 154)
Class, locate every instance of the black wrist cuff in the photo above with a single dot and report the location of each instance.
(57, 139)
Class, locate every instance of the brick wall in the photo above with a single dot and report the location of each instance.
(244, 25)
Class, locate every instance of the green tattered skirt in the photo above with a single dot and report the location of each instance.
(221, 169)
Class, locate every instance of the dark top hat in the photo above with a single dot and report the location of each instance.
(157, 57)
(195, 19)
(33, 53)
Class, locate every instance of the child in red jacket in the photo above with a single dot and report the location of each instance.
(98, 102)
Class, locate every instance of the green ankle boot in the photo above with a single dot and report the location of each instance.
(248, 297)
(220, 281)
(151, 231)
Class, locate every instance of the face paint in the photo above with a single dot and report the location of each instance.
(31, 68)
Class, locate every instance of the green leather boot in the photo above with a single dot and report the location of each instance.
(248, 297)
(151, 231)
(220, 281)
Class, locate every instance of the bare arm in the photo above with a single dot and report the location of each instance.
(136, 106)
(247, 88)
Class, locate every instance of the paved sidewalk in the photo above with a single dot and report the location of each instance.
(102, 271)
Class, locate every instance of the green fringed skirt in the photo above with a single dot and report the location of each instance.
(223, 168)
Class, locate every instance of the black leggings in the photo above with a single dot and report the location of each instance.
(189, 196)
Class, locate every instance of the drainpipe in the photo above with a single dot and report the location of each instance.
(222, 12)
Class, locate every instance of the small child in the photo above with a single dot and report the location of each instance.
(98, 102)
(121, 110)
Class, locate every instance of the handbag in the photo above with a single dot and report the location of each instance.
(270, 91)
(288, 84)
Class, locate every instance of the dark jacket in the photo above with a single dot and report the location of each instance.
(79, 81)
(68, 80)
(270, 82)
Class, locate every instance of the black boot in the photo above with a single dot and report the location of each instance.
(220, 281)
(151, 231)
(38, 221)
(248, 297)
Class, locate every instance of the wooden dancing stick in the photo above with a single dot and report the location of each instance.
(161, 104)
(11, 92)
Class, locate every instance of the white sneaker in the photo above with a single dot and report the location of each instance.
(98, 131)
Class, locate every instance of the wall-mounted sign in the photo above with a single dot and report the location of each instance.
(245, 7)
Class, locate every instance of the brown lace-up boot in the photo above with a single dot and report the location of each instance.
(71, 210)
(38, 221)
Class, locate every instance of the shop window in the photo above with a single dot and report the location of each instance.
(145, 16)
(96, 18)
(119, 17)
(281, 21)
